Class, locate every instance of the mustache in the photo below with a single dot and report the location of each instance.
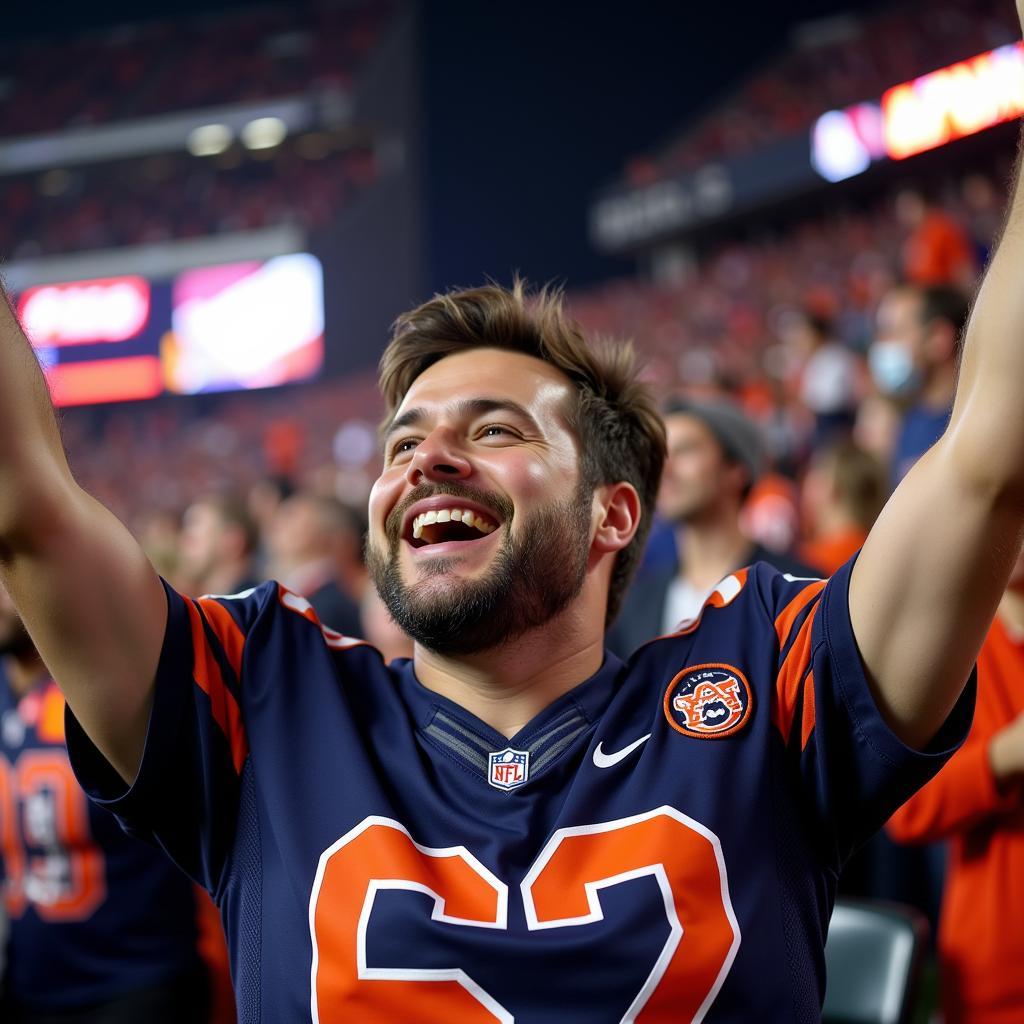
(496, 503)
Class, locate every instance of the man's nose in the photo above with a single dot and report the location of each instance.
(438, 457)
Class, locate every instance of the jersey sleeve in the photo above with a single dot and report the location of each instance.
(849, 767)
(185, 797)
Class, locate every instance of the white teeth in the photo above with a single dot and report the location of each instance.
(445, 515)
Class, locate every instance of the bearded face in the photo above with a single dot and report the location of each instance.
(536, 570)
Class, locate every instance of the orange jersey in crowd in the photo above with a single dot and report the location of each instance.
(827, 554)
(938, 252)
(981, 935)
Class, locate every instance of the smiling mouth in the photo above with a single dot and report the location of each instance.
(449, 524)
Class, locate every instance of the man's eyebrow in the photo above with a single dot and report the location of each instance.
(468, 408)
(408, 419)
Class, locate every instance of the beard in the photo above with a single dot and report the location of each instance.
(533, 577)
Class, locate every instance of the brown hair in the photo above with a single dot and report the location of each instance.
(614, 417)
(859, 480)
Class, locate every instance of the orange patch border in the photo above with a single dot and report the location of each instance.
(732, 730)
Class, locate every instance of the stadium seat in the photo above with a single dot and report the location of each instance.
(874, 954)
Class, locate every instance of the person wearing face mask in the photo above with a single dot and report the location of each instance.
(913, 362)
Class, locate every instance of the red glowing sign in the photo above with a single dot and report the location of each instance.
(107, 310)
(954, 102)
(106, 380)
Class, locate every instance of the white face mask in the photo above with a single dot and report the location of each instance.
(892, 367)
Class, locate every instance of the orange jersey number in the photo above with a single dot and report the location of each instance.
(49, 857)
(561, 890)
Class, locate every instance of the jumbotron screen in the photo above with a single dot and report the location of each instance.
(233, 327)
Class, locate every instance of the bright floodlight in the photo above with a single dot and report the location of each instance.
(264, 133)
(209, 139)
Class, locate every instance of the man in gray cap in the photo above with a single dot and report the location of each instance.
(715, 456)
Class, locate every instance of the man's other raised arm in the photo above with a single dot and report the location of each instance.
(935, 565)
(86, 591)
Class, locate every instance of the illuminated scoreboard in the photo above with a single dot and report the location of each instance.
(924, 113)
(233, 327)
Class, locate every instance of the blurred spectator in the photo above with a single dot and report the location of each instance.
(349, 533)
(102, 926)
(381, 630)
(938, 251)
(771, 513)
(977, 802)
(263, 502)
(159, 533)
(829, 378)
(132, 202)
(219, 539)
(304, 543)
(715, 454)
(914, 361)
(844, 489)
(249, 53)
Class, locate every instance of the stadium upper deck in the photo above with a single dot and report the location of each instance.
(843, 62)
(186, 63)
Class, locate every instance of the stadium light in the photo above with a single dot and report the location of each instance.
(264, 133)
(209, 139)
(845, 142)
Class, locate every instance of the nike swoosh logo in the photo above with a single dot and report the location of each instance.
(603, 760)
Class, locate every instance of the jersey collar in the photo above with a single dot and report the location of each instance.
(451, 728)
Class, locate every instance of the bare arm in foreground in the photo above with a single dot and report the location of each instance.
(936, 564)
(86, 591)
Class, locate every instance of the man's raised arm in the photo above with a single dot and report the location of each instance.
(935, 565)
(86, 591)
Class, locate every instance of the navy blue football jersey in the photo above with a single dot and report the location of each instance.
(93, 914)
(660, 844)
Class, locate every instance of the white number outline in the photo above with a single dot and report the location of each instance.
(595, 914)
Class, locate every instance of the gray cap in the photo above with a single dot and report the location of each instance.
(739, 436)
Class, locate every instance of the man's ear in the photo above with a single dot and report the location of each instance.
(618, 511)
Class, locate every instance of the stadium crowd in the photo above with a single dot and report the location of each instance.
(305, 182)
(172, 64)
(844, 61)
(826, 354)
(782, 322)
(819, 358)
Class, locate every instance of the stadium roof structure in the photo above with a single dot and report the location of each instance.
(848, 93)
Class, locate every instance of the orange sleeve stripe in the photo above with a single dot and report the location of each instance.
(716, 600)
(227, 631)
(807, 720)
(208, 678)
(787, 686)
(784, 623)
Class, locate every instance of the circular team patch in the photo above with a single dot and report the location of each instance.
(708, 701)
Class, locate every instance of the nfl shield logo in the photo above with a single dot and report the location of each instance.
(508, 768)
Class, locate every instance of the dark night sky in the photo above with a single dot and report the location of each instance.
(534, 106)
(531, 107)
